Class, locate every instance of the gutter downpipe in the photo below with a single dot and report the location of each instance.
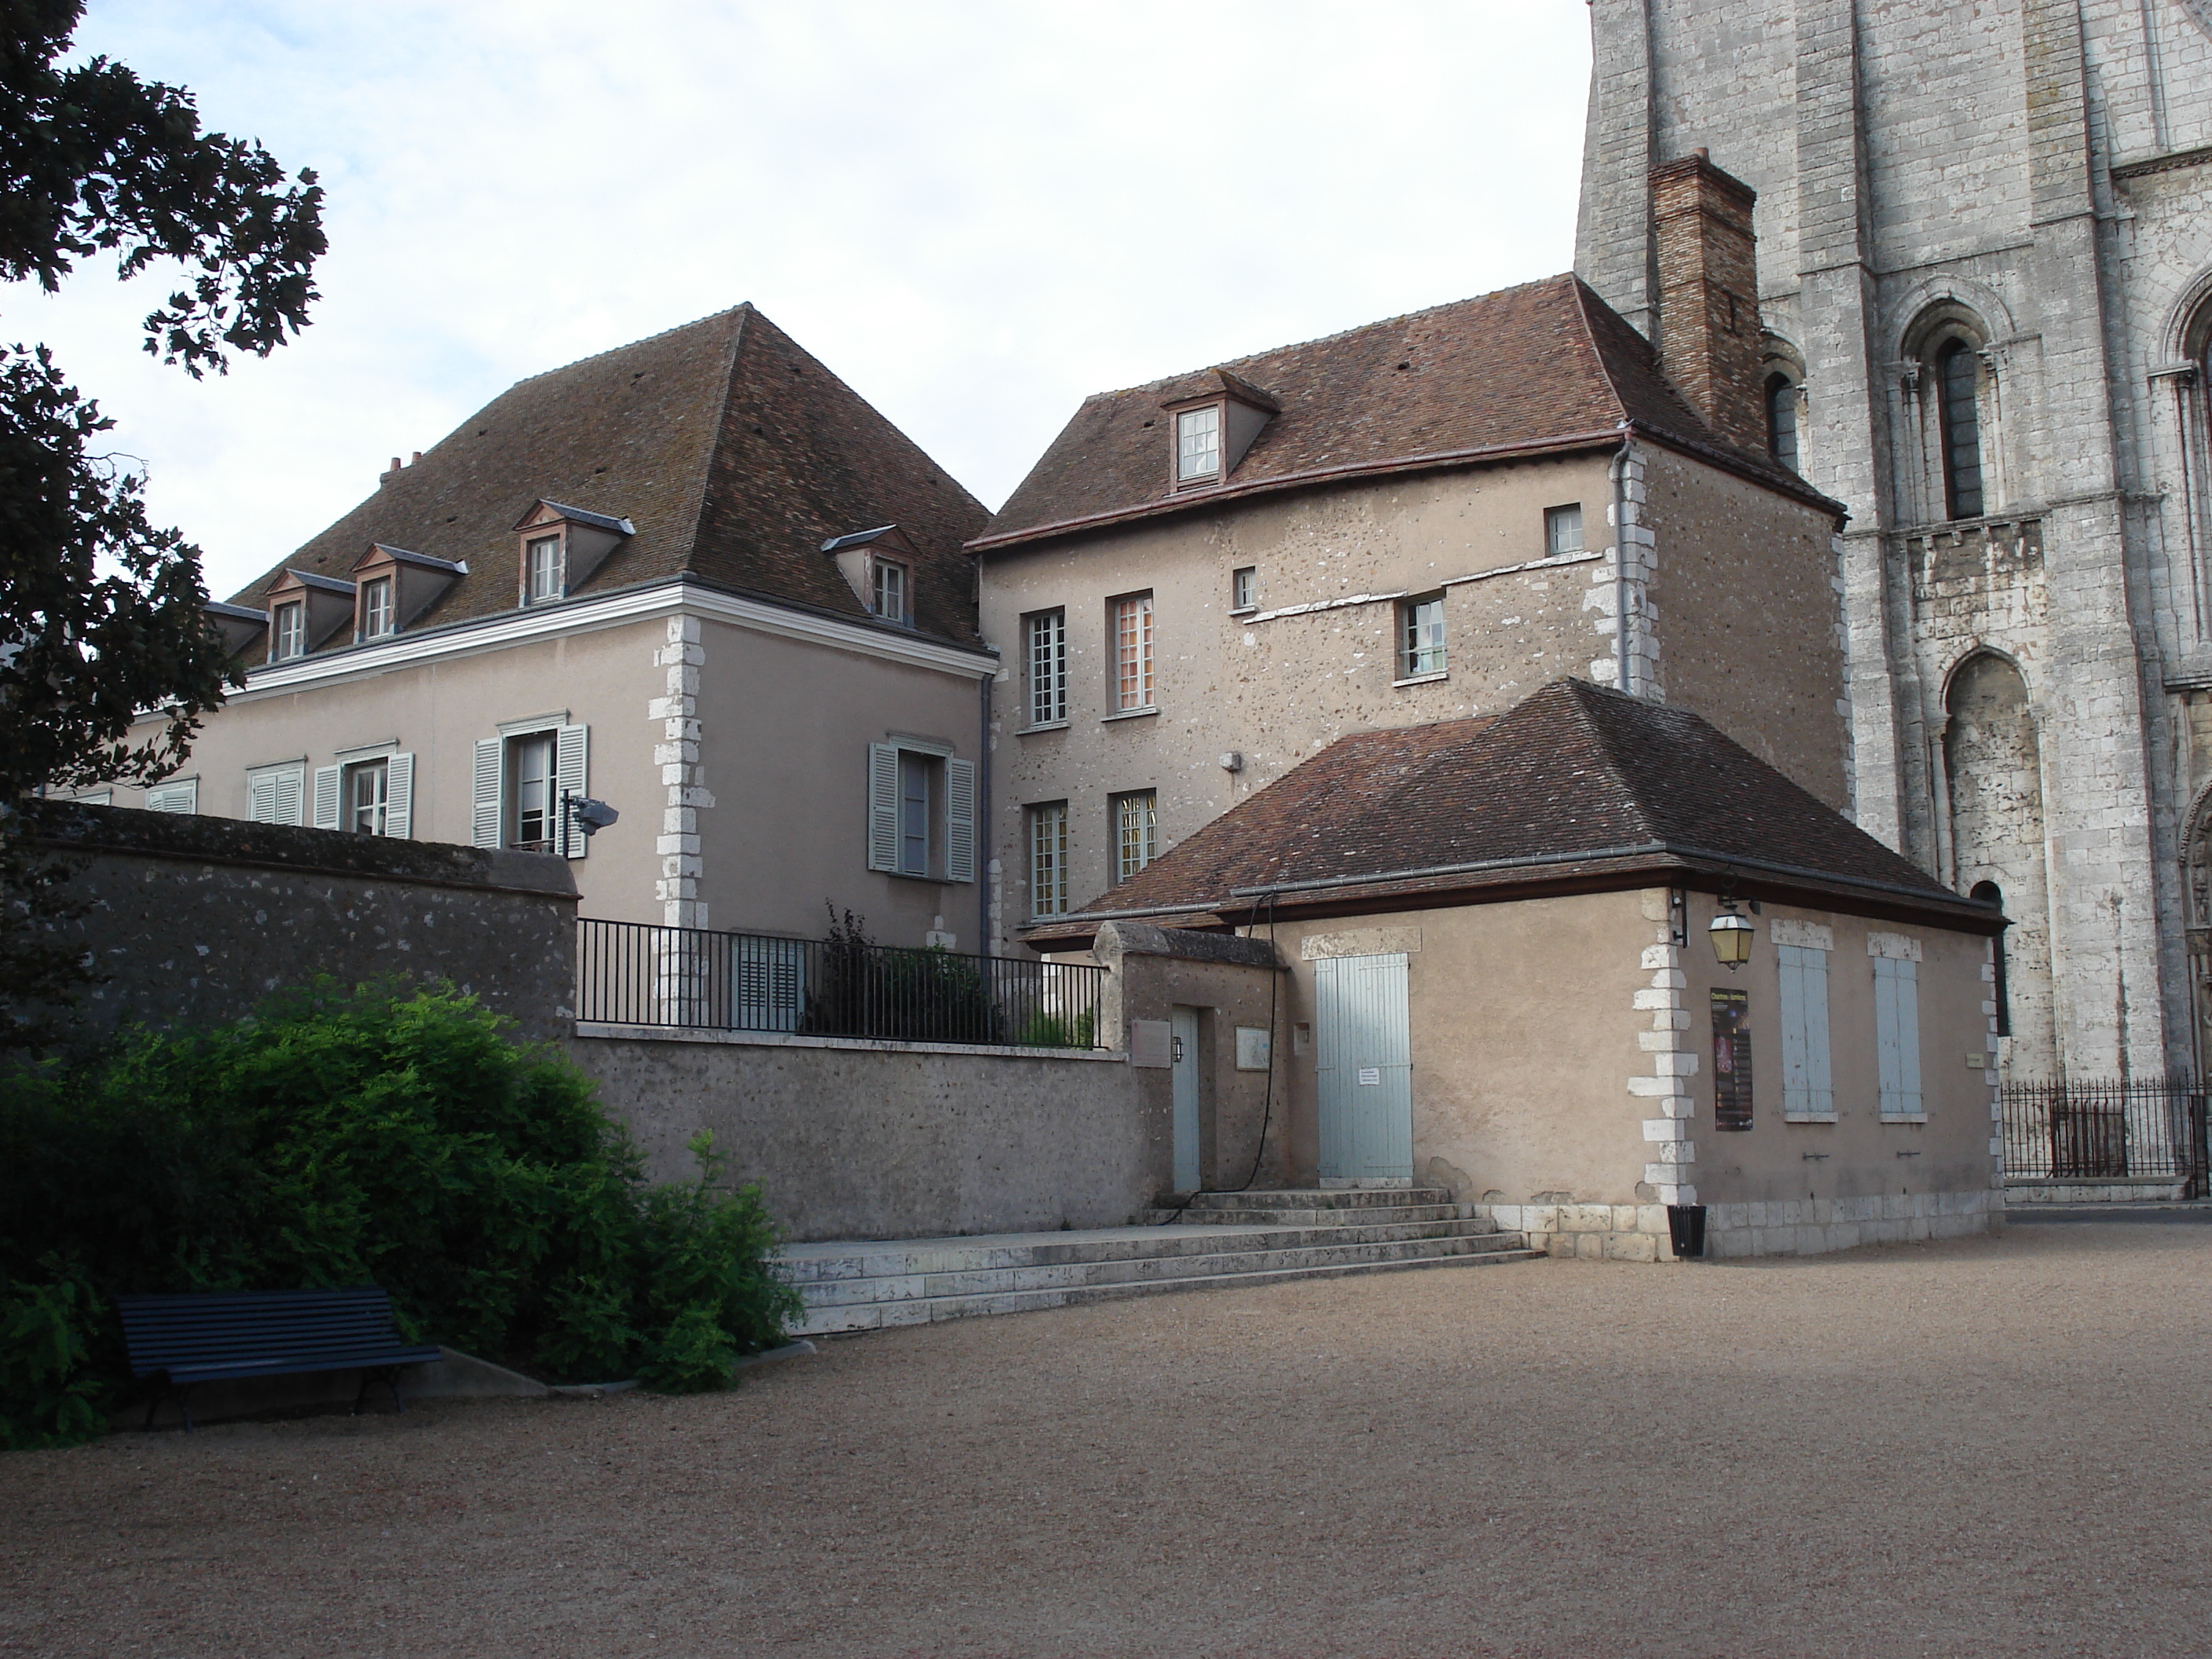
(1619, 471)
(986, 830)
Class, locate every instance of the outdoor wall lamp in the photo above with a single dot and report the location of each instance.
(589, 815)
(1731, 936)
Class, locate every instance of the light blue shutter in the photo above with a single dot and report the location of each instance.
(399, 797)
(571, 771)
(959, 820)
(326, 797)
(1803, 976)
(882, 806)
(1820, 1084)
(484, 829)
(1897, 1036)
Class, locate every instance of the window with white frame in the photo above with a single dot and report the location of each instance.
(1421, 637)
(1045, 651)
(1132, 623)
(1897, 1037)
(921, 810)
(542, 569)
(889, 598)
(1563, 529)
(522, 777)
(370, 794)
(287, 631)
(1197, 445)
(177, 795)
(1808, 1096)
(1136, 835)
(1048, 859)
(277, 794)
(368, 787)
(1244, 588)
(376, 615)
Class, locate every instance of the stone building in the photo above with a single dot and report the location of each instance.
(1205, 581)
(1981, 309)
(697, 577)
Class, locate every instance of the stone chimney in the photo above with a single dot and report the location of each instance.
(1709, 331)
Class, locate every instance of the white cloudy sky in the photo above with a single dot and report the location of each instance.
(972, 211)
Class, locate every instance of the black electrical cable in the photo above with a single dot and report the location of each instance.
(1268, 1105)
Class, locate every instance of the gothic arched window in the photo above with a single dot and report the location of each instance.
(1782, 420)
(1960, 425)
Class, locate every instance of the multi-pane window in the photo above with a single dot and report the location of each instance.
(1045, 652)
(530, 803)
(376, 608)
(1132, 652)
(1782, 420)
(1136, 836)
(914, 772)
(1731, 1013)
(368, 798)
(288, 632)
(1048, 859)
(1197, 444)
(1961, 430)
(1244, 588)
(1421, 637)
(1563, 529)
(921, 810)
(890, 590)
(541, 570)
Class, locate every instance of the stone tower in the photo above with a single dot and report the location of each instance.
(1984, 277)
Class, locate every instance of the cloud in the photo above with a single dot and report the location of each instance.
(974, 212)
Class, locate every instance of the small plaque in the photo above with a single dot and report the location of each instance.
(1148, 1044)
(1254, 1048)
(1976, 1062)
(1371, 1077)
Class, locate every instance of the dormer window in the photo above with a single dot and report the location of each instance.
(888, 598)
(288, 632)
(376, 612)
(1198, 446)
(541, 561)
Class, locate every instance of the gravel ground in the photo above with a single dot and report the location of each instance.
(1990, 1445)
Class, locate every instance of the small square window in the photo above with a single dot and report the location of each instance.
(1197, 445)
(1563, 529)
(288, 632)
(1136, 835)
(542, 575)
(1421, 637)
(1244, 588)
(888, 598)
(375, 608)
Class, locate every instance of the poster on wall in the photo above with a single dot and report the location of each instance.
(1731, 1059)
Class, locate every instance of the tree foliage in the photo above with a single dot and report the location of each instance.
(100, 612)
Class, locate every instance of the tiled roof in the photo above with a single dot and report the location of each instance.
(733, 453)
(1575, 784)
(1547, 365)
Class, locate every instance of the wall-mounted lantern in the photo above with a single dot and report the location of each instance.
(1731, 935)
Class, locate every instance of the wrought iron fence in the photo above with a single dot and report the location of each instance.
(2106, 1129)
(636, 974)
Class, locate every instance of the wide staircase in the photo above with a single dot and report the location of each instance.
(1216, 1240)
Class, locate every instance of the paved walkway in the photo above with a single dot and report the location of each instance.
(1994, 1447)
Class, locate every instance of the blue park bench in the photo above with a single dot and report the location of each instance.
(181, 1340)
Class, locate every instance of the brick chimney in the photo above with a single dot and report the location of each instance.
(1709, 331)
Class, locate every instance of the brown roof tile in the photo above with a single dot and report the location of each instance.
(1547, 364)
(1574, 781)
(734, 452)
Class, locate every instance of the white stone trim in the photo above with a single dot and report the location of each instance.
(1897, 947)
(575, 616)
(1625, 577)
(588, 1028)
(680, 846)
(1805, 935)
(1667, 1135)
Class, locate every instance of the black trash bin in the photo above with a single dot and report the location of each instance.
(1685, 1229)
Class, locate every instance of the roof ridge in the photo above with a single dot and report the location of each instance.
(1231, 363)
(1582, 295)
(1580, 693)
(629, 345)
(733, 356)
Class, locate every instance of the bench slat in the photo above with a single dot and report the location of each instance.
(199, 1337)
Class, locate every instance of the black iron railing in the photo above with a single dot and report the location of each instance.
(2106, 1129)
(635, 974)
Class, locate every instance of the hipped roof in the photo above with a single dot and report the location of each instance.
(733, 453)
(1545, 367)
(1574, 788)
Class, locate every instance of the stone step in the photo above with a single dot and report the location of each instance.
(808, 1265)
(1315, 1198)
(923, 1310)
(1224, 1216)
(1262, 1249)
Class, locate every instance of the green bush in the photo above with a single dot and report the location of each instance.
(337, 1137)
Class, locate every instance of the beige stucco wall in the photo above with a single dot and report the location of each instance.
(1275, 690)
(779, 728)
(1749, 616)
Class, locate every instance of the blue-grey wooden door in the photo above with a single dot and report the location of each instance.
(1183, 1027)
(1363, 1054)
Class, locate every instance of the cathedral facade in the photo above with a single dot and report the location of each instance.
(1985, 301)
